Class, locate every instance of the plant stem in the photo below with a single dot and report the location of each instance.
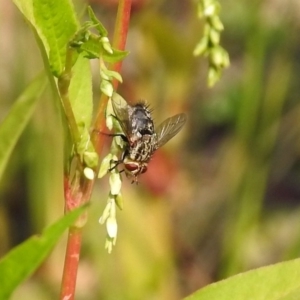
(121, 31)
(63, 86)
(81, 192)
(119, 42)
(74, 198)
(71, 263)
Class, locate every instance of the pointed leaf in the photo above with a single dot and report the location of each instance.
(56, 24)
(94, 48)
(80, 92)
(279, 281)
(18, 117)
(114, 57)
(24, 259)
(99, 26)
(26, 9)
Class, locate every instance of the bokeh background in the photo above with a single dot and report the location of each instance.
(222, 197)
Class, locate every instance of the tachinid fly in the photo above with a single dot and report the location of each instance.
(141, 137)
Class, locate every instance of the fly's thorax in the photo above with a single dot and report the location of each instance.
(141, 121)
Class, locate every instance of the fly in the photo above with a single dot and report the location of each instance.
(141, 137)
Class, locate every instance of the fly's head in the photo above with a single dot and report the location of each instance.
(134, 168)
(136, 157)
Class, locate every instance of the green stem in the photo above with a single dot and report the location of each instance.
(63, 86)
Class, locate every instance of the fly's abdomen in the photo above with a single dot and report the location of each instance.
(143, 149)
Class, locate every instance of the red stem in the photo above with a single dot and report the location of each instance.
(71, 263)
(119, 42)
(121, 31)
(76, 197)
(73, 199)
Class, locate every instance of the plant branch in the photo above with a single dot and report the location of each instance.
(121, 31)
(81, 192)
(119, 42)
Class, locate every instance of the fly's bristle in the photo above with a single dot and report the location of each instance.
(143, 103)
(151, 109)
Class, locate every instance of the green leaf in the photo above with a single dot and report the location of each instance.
(98, 25)
(114, 57)
(80, 92)
(24, 259)
(56, 24)
(91, 159)
(18, 117)
(81, 98)
(26, 9)
(279, 281)
(91, 48)
(94, 48)
(294, 295)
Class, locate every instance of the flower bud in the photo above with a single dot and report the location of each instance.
(89, 173)
(115, 182)
(105, 165)
(106, 88)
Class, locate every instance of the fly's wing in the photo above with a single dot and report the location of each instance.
(169, 128)
(121, 114)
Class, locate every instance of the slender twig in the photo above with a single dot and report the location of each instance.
(81, 192)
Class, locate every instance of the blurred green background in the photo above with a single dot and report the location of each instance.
(220, 198)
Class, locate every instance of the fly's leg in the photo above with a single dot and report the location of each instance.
(135, 180)
(118, 162)
(123, 137)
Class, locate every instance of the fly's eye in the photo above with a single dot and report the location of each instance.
(132, 167)
(144, 169)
